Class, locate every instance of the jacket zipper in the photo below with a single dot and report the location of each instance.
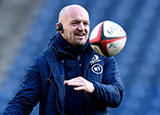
(84, 92)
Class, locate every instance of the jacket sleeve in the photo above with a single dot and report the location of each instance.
(28, 95)
(110, 91)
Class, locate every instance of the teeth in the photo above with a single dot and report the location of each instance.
(80, 34)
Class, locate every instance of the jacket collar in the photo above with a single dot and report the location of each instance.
(64, 47)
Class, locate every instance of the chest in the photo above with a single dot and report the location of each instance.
(90, 67)
(73, 67)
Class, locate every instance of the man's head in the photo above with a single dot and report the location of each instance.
(75, 21)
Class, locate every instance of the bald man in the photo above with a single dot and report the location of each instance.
(69, 78)
(75, 21)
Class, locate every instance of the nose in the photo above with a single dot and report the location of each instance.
(81, 27)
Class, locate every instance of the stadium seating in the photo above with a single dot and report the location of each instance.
(139, 62)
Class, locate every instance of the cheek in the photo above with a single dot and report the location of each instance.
(88, 29)
(66, 33)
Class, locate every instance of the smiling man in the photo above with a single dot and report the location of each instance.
(75, 21)
(69, 78)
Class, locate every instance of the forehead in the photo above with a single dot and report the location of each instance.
(75, 13)
(80, 15)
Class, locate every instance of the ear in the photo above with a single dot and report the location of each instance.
(57, 25)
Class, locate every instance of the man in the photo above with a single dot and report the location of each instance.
(69, 78)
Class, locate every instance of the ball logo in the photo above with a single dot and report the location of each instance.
(112, 29)
(97, 68)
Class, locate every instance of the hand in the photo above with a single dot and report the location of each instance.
(80, 84)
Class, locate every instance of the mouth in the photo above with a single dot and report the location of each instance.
(80, 35)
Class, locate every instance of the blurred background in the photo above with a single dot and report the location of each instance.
(27, 25)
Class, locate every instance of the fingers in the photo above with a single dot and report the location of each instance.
(79, 88)
(78, 81)
(80, 84)
(72, 83)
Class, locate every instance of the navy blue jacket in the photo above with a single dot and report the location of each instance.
(44, 83)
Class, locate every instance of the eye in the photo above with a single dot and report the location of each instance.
(74, 23)
(86, 23)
